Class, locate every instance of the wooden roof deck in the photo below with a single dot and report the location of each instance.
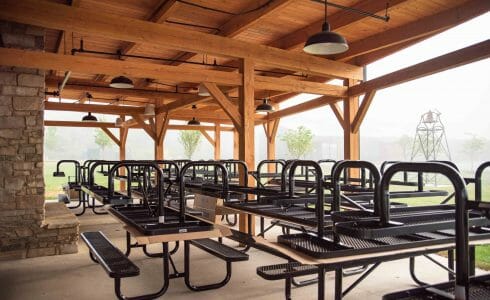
(279, 23)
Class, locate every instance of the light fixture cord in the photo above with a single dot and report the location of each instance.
(326, 11)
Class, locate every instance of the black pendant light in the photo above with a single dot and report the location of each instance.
(325, 42)
(88, 117)
(121, 82)
(194, 121)
(264, 107)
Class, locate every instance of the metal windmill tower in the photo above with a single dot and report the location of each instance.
(430, 141)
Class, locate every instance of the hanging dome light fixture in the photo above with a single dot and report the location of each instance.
(194, 121)
(325, 42)
(264, 107)
(88, 117)
(149, 110)
(203, 91)
(121, 82)
(118, 122)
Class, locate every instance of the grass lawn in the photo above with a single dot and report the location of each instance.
(53, 185)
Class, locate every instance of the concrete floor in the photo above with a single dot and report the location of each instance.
(75, 276)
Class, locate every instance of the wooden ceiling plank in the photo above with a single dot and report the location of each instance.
(419, 28)
(163, 11)
(237, 25)
(337, 21)
(444, 62)
(97, 23)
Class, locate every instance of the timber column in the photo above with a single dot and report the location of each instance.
(246, 107)
(123, 136)
(351, 137)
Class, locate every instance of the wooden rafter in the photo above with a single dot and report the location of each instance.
(103, 24)
(363, 109)
(419, 28)
(237, 25)
(444, 62)
(111, 135)
(163, 11)
(230, 109)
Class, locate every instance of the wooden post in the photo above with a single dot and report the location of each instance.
(271, 133)
(161, 125)
(351, 139)
(246, 146)
(235, 143)
(123, 135)
(217, 141)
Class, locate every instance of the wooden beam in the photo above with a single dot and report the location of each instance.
(315, 103)
(271, 133)
(419, 28)
(161, 126)
(111, 135)
(301, 86)
(106, 25)
(217, 142)
(64, 35)
(90, 65)
(88, 86)
(207, 136)
(230, 109)
(337, 21)
(79, 124)
(145, 126)
(338, 113)
(444, 62)
(101, 109)
(112, 125)
(371, 57)
(363, 109)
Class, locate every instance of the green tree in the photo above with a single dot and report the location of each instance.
(102, 140)
(299, 141)
(50, 139)
(473, 147)
(190, 140)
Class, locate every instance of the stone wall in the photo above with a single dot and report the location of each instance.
(22, 228)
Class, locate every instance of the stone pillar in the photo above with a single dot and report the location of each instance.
(23, 231)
